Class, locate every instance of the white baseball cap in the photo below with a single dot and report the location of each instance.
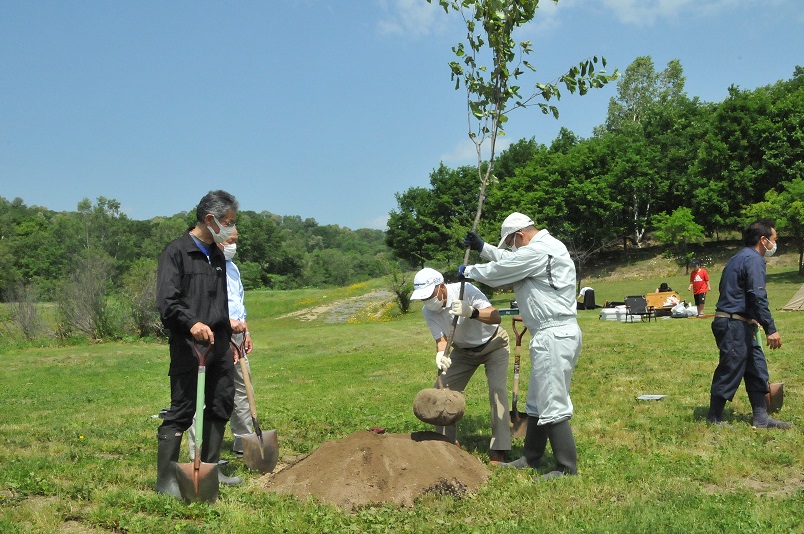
(424, 282)
(513, 223)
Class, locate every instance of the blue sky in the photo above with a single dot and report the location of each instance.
(318, 108)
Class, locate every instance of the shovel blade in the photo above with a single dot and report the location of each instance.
(519, 424)
(775, 397)
(198, 485)
(261, 455)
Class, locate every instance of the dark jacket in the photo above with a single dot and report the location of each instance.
(191, 289)
(743, 291)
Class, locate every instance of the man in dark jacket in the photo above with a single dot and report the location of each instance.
(740, 310)
(192, 301)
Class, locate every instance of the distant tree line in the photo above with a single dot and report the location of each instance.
(663, 163)
(99, 266)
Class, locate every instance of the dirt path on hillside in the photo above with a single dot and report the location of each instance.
(368, 467)
(341, 310)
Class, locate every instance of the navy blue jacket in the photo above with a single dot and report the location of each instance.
(742, 288)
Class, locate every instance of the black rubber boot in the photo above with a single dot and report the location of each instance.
(535, 444)
(716, 405)
(563, 444)
(759, 407)
(168, 445)
(211, 449)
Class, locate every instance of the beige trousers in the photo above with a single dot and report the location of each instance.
(494, 357)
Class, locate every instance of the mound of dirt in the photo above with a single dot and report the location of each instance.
(367, 467)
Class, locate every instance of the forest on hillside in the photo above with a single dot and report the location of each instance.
(99, 267)
(663, 164)
(42, 247)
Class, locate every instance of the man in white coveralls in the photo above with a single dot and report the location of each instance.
(543, 277)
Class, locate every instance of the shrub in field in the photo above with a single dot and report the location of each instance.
(139, 293)
(25, 312)
(402, 287)
(82, 299)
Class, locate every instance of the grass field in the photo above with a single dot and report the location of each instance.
(78, 448)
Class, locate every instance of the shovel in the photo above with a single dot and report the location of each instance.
(260, 449)
(198, 481)
(442, 406)
(774, 399)
(519, 420)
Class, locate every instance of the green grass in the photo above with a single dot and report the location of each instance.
(77, 441)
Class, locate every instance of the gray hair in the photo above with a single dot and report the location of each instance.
(218, 203)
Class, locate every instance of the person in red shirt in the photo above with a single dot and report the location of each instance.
(699, 285)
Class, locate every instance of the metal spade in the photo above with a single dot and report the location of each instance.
(198, 481)
(260, 449)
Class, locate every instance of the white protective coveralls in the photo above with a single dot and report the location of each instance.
(543, 278)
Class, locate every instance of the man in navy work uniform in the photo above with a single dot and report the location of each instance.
(741, 308)
(192, 301)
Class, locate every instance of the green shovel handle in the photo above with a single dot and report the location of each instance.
(199, 399)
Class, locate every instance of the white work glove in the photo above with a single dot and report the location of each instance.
(461, 308)
(443, 362)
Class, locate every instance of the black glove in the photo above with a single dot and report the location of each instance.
(473, 241)
(460, 272)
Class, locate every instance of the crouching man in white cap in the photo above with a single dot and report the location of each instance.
(478, 340)
(543, 277)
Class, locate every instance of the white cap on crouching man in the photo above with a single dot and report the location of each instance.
(513, 223)
(424, 282)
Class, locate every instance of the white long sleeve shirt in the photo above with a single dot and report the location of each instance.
(543, 277)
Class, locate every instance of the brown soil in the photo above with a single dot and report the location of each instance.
(439, 406)
(368, 467)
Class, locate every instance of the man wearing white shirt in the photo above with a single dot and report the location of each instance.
(478, 340)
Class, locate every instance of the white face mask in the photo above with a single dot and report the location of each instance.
(229, 251)
(224, 233)
(512, 247)
(433, 304)
(770, 251)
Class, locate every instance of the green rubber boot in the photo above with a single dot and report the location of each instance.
(563, 444)
(168, 445)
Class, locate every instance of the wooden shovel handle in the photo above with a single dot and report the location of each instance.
(252, 406)
(519, 334)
